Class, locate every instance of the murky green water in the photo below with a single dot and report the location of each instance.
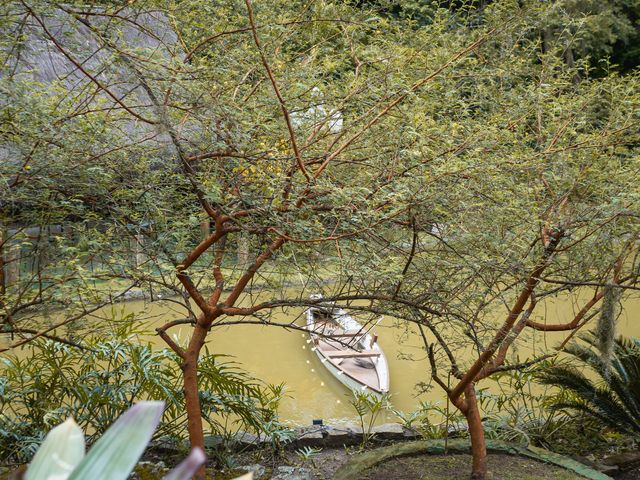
(276, 355)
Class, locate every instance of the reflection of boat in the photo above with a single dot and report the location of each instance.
(346, 349)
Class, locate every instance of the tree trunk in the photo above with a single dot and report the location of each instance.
(191, 392)
(476, 432)
(205, 228)
(243, 251)
(12, 264)
(569, 59)
(43, 248)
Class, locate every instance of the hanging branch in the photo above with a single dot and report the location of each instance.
(276, 89)
(79, 66)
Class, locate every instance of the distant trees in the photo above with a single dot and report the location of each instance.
(603, 34)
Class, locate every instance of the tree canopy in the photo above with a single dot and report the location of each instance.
(454, 162)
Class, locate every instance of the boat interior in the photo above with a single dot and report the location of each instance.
(350, 351)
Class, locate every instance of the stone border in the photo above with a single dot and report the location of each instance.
(320, 436)
(363, 461)
(350, 435)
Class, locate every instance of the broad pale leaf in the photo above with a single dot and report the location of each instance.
(118, 450)
(188, 467)
(61, 451)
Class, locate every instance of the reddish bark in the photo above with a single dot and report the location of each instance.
(468, 405)
(476, 432)
(532, 281)
(562, 327)
(211, 310)
(191, 390)
(493, 356)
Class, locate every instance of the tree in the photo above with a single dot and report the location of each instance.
(182, 127)
(49, 206)
(530, 191)
(603, 34)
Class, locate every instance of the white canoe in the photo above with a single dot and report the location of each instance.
(347, 349)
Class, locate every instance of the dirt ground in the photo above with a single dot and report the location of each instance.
(327, 462)
(447, 467)
(631, 475)
(431, 467)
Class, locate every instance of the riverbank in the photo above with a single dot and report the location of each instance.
(276, 355)
(393, 451)
(397, 460)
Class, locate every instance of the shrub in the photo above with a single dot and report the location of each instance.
(54, 382)
(61, 456)
(612, 394)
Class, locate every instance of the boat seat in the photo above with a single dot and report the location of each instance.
(345, 335)
(343, 354)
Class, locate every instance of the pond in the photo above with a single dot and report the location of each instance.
(275, 355)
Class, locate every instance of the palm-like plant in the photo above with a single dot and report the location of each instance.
(612, 395)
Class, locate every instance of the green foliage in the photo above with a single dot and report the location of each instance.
(478, 122)
(603, 32)
(308, 454)
(430, 419)
(484, 147)
(520, 413)
(95, 385)
(368, 407)
(610, 393)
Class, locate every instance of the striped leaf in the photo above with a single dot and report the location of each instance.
(118, 450)
(188, 467)
(61, 451)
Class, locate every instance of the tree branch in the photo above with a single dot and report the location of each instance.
(276, 89)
